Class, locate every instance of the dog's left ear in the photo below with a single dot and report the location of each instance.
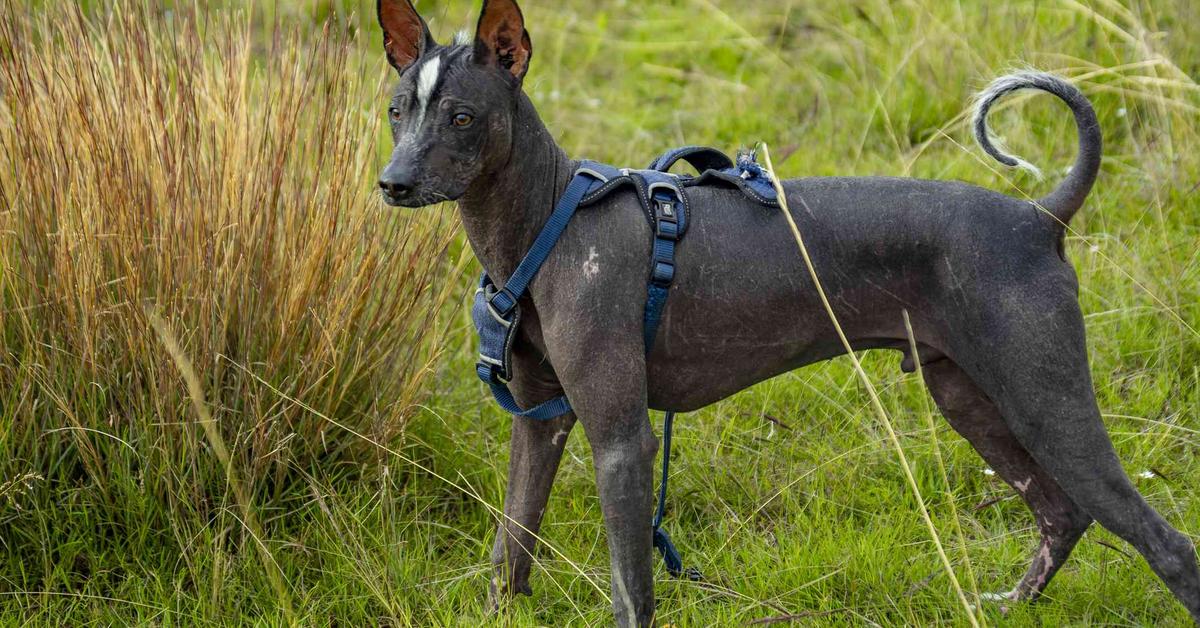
(501, 39)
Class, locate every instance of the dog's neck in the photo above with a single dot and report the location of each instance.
(504, 211)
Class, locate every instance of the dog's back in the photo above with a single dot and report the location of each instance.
(880, 245)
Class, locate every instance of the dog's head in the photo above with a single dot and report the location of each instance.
(452, 113)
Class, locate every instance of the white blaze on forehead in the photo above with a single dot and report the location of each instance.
(426, 81)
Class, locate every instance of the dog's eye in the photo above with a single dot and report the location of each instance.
(462, 119)
(394, 114)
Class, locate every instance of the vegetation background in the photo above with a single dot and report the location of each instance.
(236, 389)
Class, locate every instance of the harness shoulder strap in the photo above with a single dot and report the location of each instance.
(506, 298)
(609, 178)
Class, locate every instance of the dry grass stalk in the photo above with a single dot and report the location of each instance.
(152, 163)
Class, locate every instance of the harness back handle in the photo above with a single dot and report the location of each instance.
(701, 158)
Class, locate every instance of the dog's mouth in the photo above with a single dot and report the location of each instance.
(416, 200)
(395, 201)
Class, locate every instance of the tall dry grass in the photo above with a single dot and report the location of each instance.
(156, 166)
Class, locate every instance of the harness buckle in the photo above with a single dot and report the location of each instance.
(501, 302)
(489, 372)
(666, 220)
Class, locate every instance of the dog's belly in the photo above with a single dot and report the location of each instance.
(728, 329)
(711, 367)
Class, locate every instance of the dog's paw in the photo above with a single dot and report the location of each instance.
(501, 593)
(1002, 600)
(496, 597)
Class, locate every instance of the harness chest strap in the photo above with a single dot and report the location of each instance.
(497, 314)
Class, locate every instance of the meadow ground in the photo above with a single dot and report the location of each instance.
(236, 389)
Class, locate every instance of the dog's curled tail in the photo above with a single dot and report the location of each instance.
(1068, 197)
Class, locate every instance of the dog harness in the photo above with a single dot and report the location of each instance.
(663, 196)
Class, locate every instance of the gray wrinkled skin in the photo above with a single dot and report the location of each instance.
(993, 304)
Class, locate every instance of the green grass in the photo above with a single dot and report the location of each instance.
(788, 496)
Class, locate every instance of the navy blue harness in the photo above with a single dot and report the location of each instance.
(662, 195)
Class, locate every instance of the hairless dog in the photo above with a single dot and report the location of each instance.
(993, 303)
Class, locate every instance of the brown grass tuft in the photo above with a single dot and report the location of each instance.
(153, 164)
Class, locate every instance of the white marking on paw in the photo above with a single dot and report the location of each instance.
(1001, 599)
(1023, 486)
(591, 267)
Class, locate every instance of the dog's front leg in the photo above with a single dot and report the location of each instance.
(612, 408)
(623, 449)
(537, 448)
(594, 340)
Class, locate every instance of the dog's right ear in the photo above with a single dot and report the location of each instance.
(405, 35)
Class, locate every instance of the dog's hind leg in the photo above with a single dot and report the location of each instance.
(1034, 366)
(976, 418)
(537, 447)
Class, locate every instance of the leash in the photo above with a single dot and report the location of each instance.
(497, 315)
(662, 541)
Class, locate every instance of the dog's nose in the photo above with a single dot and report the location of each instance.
(395, 186)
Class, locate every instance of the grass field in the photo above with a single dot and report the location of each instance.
(234, 388)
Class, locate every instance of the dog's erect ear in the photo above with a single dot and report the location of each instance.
(501, 39)
(405, 35)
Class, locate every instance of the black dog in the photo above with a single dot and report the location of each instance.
(993, 303)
